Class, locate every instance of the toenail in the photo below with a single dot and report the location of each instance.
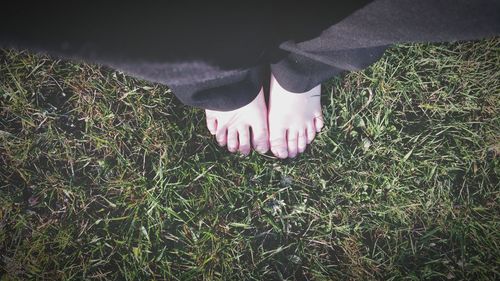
(282, 154)
(276, 153)
(261, 149)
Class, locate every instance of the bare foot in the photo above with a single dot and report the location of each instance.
(242, 128)
(294, 119)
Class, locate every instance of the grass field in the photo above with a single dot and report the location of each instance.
(104, 176)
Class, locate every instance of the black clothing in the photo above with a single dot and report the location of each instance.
(215, 57)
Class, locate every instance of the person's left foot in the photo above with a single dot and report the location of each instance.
(294, 119)
(242, 128)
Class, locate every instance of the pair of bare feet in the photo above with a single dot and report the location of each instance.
(286, 126)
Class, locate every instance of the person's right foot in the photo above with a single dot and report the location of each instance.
(294, 119)
(232, 128)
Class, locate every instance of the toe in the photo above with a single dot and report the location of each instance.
(302, 141)
(260, 139)
(318, 123)
(311, 132)
(212, 125)
(292, 143)
(244, 140)
(232, 140)
(221, 136)
(278, 144)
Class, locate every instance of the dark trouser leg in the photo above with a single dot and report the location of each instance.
(197, 84)
(200, 84)
(298, 73)
(360, 39)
